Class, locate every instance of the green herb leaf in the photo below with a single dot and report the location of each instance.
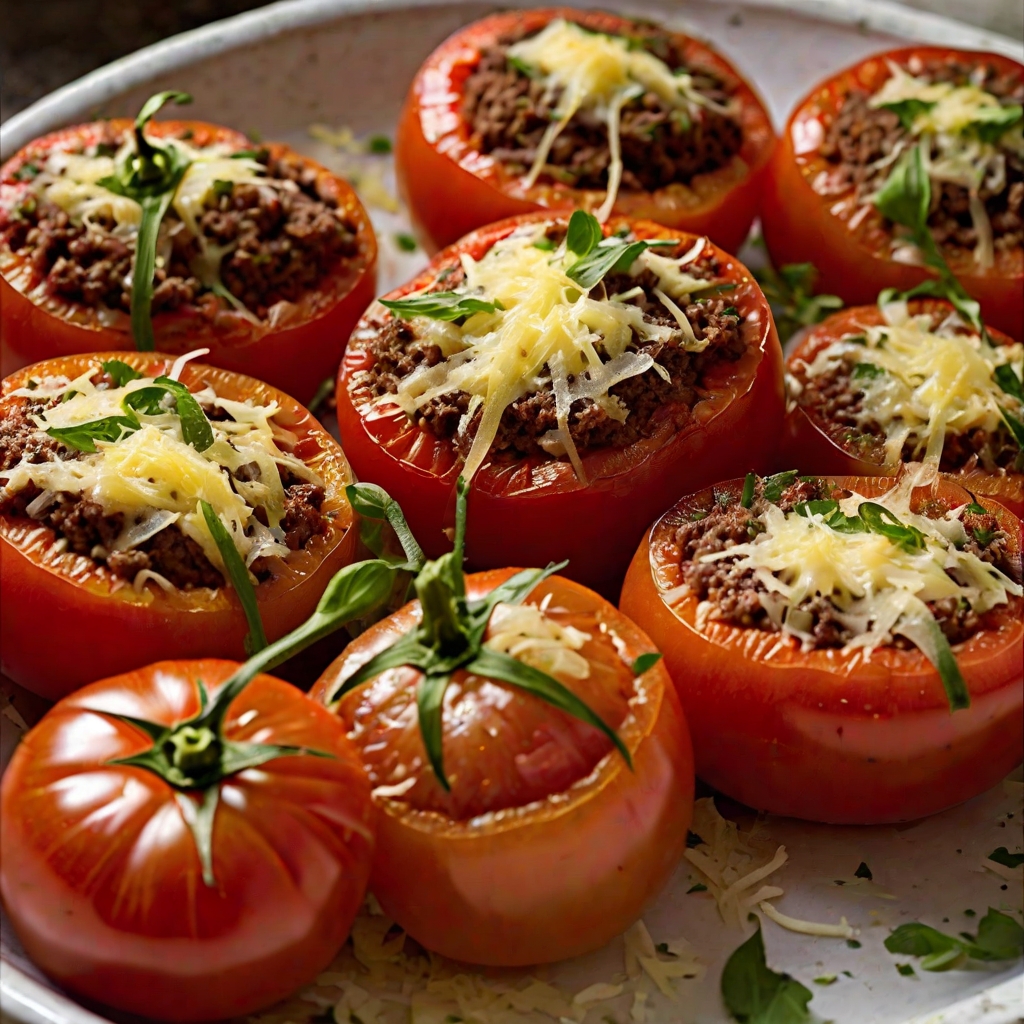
(699, 887)
(1000, 937)
(222, 187)
(584, 233)
(200, 823)
(789, 291)
(153, 210)
(878, 519)
(867, 371)
(379, 144)
(1008, 380)
(949, 671)
(609, 254)
(991, 123)
(863, 871)
(238, 574)
(120, 373)
(645, 662)
(909, 110)
(373, 502)
(826, 979)
(195, 427)
(544, 244)
(83, 436)
(405, 242)
(450, 306)
(520, 65)
(1001, 855)
(755, 994)
(26, 172)
(323, 392)
(944, 287)
(1015, 426)
(906, 970)
(749, 483)
(774, 485)
(906, 195)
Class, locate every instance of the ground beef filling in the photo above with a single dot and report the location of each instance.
(735, 593)
(859, 136)
(508, 114)
(836, 401)
(286, 240)
(650, 399)
(87, 530)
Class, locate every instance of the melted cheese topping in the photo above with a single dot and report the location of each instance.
(935, 382)
(956, 155)
(524, 632)
(549, 334)
(600, 73)
(155, 479)
(877, 587)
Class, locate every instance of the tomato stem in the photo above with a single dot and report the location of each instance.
(194, 752)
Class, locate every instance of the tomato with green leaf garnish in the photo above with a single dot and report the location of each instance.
(874, 387)
(176, 509)
(830, 666)
(529, 758)
(176, 235)
(906, 160)
(671, 130)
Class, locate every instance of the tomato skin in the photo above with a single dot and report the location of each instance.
(39, 585)
(101, 877)
(825, 735)
(546, 882)
(535, 511)
(807, 443)
(452, 188)
(800, 227)
(295, 357)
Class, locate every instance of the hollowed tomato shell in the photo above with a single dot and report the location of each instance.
(802, 226)
(101, 876)
(556, 878)
(830, 735)
(295, 354)
(452, 188)
(534, 510)
(67, 621)
(809, 444)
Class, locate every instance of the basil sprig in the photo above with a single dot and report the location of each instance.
(150, 176)
(450, 636)
(451, 306)
(596, 255)
(120, 373)
(1006, 377)
(790, 293)
(999, 937)
(909, 110)
(755, 994)
(83, 436)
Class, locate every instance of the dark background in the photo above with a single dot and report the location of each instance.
(46, 43)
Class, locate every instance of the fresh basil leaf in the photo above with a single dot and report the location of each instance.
(1000, 937)
(976, 509)
(610, 254)
(430, 706)
(939, 951)
(584, 233)
(906, 970)
(238, 574)
(991, 123)
(83, 436)
(195, 427)
(747, 497)
(155, 102)
(755, 994)
(775, 484)
(120, 373)
(879, 519)
(405, 242)
(1008, 380)
(867, 371)
(863, 871)
(222, 187)
(944, 287)
(1001, 855)
(906, 195)
(449, 306)
(380, 145)
(520, 65)
(789, 291)
(949, 671)
(646, 662)
(909, 110)
(544, 244)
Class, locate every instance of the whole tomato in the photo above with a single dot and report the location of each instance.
(157, 898)
(295, 352)
(804, 220)
(41, 582)
(534, 509)
(817, 444)
(451, 187)
(546, 845)
(828, 734)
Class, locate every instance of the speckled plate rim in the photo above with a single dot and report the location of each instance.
(22, 998)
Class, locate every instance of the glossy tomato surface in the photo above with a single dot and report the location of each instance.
(480, 875)
(100, 872)
(452, 188)
(106, 627)
(535, 510)
(804, 222)
(829, 734)
(296, 350)
(816, 445)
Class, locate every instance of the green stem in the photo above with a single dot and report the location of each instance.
(442, 627)
(153, 210)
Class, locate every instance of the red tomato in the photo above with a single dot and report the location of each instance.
(296, 354)
(827, 734)
(101, 876)
(451, 187)
(42, 584)
(801, 224)
(815, 445)
(535, 510)
(547, 845)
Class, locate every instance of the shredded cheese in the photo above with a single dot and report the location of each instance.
(584, 70)
(926, 383)
(527, 634)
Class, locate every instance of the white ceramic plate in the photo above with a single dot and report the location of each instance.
(279, 70)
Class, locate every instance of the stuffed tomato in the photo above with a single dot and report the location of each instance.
(511, 832)
(115, 471)
(562, 108)
(146, 865)
(928, 134)
(872, 388)
(846, 649)
(582, 377)
(258, 254)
